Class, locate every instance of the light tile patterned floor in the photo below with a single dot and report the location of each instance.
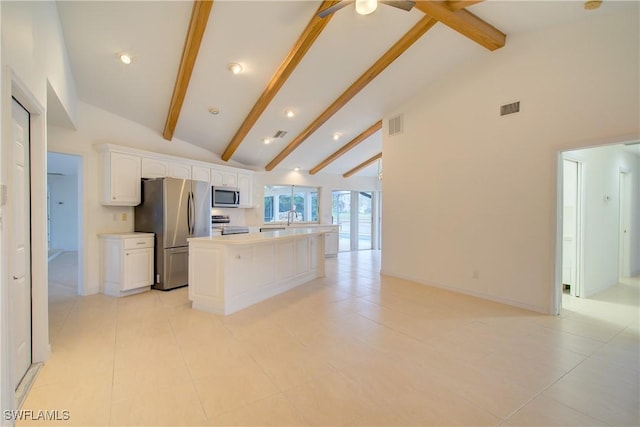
(353, 348)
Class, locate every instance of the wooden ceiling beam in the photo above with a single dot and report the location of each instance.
(464, 22)
(299, 50)
(461, 4)
(396, 50)
(362, 165)
(198, 24)
(355, 141)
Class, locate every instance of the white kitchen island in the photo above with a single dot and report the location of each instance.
(229, 273)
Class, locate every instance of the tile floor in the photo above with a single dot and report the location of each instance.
(353, 348)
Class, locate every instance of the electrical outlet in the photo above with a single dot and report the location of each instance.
(123, 216)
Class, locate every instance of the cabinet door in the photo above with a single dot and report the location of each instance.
(124, 180)
(201, 174)
(154, 168)
(179, 170)
(245, 185)
(138, 268)
(331, 244)
(224, 178)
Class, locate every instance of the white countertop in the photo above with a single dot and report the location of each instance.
(265, 236)
(126, 235)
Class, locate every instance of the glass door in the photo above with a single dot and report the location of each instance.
(364, 214)
(341, 215)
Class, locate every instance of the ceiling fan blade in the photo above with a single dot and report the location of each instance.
(334, 8)
(400, 4)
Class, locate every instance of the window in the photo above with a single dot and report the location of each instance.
(290, 203)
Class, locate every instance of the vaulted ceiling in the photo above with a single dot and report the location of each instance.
(339, 75)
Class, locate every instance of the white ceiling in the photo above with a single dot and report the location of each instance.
(258, 35)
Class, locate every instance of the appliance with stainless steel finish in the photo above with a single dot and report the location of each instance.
(175, 210)
(225, 197)
(221, 222)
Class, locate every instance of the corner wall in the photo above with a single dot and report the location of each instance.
(470, 197)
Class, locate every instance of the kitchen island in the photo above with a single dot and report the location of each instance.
(229, 273)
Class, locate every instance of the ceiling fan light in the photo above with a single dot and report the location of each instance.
(365, 7)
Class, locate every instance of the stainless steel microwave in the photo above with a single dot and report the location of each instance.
(225, 197)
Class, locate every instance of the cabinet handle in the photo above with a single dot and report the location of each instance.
(127, 254)
(140, 243)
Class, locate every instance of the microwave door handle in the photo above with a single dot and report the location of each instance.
(237, 194)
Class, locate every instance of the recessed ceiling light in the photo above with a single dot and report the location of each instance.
(214, 110)
(266, 140)
(336, 136)
(296, 169)
(235, 68)
(289, 113)
(125, 58)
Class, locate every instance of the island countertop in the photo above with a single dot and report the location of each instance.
(265, 236)
(232, 272)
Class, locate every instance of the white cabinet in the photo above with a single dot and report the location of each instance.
(224, 178)
(154, 168)
(120, 179)
(245, 185)
(179, 170)
(331, 244)
(200, 173)
(127, 263)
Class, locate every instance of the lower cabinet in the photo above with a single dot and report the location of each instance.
(126, 263)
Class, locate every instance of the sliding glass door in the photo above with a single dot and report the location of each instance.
(352, 212)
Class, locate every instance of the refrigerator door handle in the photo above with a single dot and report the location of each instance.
(189, 213)
(192, 230)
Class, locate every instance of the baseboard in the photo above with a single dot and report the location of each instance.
(472, 293)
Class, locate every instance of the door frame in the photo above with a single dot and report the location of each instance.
(624, 206)
(576, 290)
(12, 86)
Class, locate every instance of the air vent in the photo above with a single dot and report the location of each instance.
(514, 107)
(396, 125)
(280, 134)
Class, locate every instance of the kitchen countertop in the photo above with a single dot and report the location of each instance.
(265, 236)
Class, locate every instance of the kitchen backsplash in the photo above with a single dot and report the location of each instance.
(236, 216)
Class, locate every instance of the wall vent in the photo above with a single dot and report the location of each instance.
(514, 107)
(396, 125)
(280, 134)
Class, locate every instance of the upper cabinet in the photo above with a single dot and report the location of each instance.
(200, 173)
(245, 185)
(179, 170)
(123, 168)
(121, 179)
(224, 178)
(154, 168)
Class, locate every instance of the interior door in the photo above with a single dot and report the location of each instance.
(20, 262)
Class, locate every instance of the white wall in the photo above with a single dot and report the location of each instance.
(32, 53)
(601, 201)
(467, 191)
(63, 215)
(326, 182)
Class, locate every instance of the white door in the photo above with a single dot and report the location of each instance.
(624, 269)
(571, 227)
(20, 262)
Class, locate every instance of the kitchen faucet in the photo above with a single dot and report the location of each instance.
(290, 217)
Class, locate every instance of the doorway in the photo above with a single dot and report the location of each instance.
(64, 226)
(352, 212)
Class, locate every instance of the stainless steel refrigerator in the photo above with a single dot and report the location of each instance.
(175, 210)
